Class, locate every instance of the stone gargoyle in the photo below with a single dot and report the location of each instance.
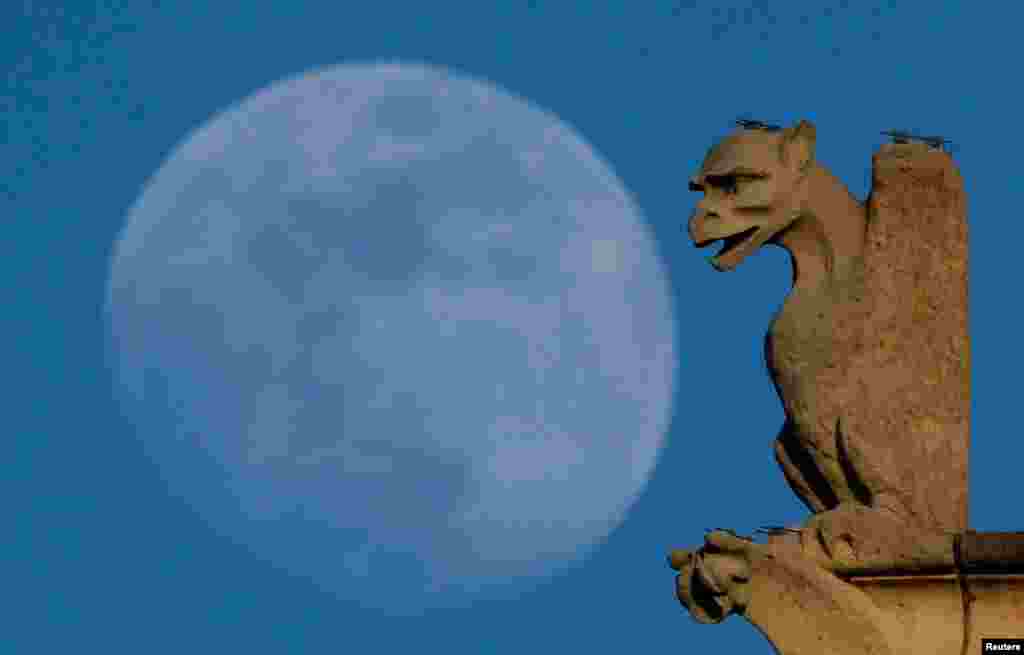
(869, 351)
(774, 585)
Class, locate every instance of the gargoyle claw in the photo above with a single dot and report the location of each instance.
(836, 530)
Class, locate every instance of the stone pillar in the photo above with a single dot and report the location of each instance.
(916, 261)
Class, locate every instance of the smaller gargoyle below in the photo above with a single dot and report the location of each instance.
(773, 586)
(714, 582)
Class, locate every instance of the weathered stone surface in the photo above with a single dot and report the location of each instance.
(926, 611)
(913, 383)
(995, 607)
(869, 353)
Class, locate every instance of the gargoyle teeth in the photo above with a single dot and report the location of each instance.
(728, 242)
(735, 247)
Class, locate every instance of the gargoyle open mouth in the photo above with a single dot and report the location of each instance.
(734, 248)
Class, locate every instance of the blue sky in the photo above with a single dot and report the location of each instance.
(96, 95)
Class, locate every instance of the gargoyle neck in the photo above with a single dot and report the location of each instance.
(826, 240)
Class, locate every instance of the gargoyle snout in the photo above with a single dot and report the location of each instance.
(699, 225)
(677, 559)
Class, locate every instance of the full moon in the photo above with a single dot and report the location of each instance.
(395, 330)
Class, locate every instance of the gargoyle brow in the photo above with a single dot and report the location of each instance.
(741, 171)
(750, 172)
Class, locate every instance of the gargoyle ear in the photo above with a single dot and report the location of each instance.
(798, 145)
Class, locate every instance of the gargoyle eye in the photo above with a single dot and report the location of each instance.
(727, 183)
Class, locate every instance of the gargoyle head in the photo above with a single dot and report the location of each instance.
(714, 581)
(754, 184)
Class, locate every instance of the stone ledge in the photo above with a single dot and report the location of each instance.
(997, 552)
(948, 614)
